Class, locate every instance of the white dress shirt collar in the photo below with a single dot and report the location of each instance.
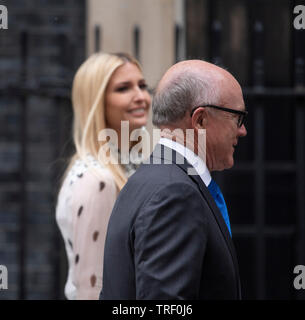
(198, 164)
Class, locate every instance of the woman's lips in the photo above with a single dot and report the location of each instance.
(138, 112)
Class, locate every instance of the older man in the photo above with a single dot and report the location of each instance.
(169, 234)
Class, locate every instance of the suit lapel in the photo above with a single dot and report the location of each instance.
(168, 156)
(215, 210)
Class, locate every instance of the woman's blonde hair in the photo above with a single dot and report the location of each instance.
(88, 100)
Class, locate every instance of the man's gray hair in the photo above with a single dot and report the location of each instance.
(182, 94)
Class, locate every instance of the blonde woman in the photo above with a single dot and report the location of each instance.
(107, 89)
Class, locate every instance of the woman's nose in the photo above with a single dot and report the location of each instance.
(139, 94)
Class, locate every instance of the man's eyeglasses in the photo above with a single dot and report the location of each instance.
(241, 114)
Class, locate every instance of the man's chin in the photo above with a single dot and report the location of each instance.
(222, 166)
(228, 165)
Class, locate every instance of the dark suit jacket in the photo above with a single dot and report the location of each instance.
(167, 239)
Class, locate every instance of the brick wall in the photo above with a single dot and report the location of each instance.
(55, 48)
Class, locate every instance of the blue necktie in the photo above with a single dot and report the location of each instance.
(220, 201)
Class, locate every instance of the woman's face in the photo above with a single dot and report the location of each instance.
(127, 98)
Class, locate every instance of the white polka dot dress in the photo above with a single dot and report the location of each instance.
(83, 209)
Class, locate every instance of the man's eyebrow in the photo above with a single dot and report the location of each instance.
(243, 108)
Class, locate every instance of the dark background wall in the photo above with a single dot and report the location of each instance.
(253, 39)
(256, 41)
(39, 53)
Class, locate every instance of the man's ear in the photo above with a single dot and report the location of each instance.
(199, 119)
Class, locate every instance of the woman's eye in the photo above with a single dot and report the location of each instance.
(143, 86)
(122, 89)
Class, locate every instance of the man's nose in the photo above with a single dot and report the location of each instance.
(242, 131)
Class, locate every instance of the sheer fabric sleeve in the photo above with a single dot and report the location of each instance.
(93, 200)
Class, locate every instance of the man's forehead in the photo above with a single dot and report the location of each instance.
(199, 69)
(232, 97)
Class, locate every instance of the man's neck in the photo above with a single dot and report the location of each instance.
(187, 138)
